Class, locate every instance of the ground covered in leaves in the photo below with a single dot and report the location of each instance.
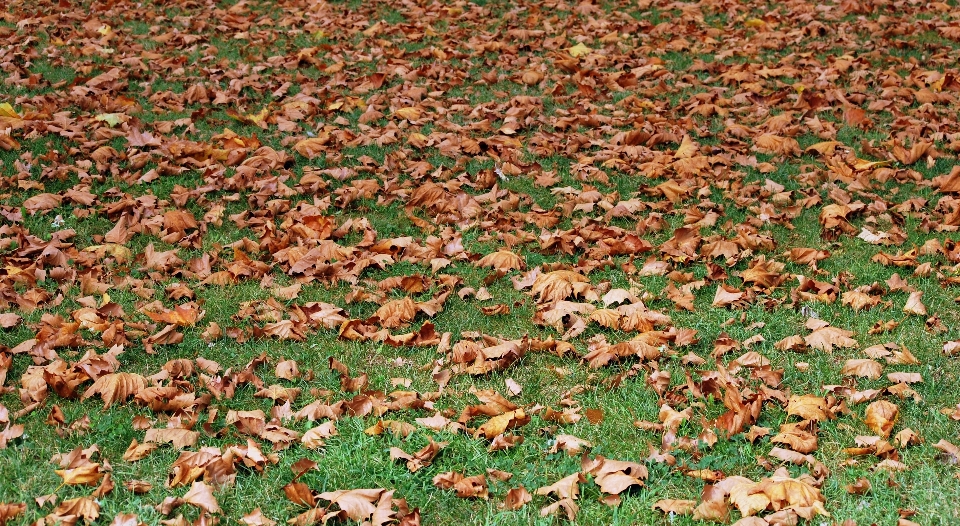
(479, 262)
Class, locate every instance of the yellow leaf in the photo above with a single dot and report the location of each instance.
(112, 119)
(6, 110)
(87, 474)
(687, 148)
(579, 50)
(863, 164)
(500, 423)
(411, 114)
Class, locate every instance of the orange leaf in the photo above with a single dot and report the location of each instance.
(881, 416)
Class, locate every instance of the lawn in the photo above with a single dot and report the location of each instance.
(307, 262)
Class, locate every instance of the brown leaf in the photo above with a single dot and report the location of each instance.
(679, 507)
(726, 296)
(201, 496)
(185, 315)
(87, 474)
(423, 457)
(769, 143)
(9, 511)
(881, 416)
(566, 488)
(84, 507)
(357, 503)
(125, 519)
(859, 487)
(395, 427)
(502, 260)
(42, 203)
(9, 320)
(180, 438)
(516, 498)
(301, 494)
(256, 518)
(395, 313)
(138, 487)
(500, 423)
(864, 368)
(559, 285)
(287, 370)
(572, 445)
(116, 387)
(568, 506)
(826, 338)
(808, 407)
(949, 453)
(914, 305)
(314, 438)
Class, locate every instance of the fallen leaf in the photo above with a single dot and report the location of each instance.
(201, 496)
(881, 416)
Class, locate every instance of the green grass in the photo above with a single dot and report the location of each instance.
(255, 52)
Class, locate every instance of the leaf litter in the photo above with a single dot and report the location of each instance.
(601, 184)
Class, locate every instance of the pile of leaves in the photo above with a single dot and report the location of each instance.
(389, 262)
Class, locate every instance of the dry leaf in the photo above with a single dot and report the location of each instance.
(881, 416)
(116, 387)
(201, 496)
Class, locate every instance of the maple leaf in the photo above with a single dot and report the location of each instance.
(115, 387)
(314, 438)
(679, 507)
(358, 504)
(81, 507)
(579, 50)
(9, 511)
(421, 458)
(87, 474)
(395, 313)
(256, 518)
(881, 416)
(502, 260)
(185, 315)
(516, 498)
(825, 337)
(201, 496)
(808, 407)
(864, 368)
(568, 506)
(559, 285)
(914, 305)
(500, 423)
(180, 438)
(395, 427)
(566, 488)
